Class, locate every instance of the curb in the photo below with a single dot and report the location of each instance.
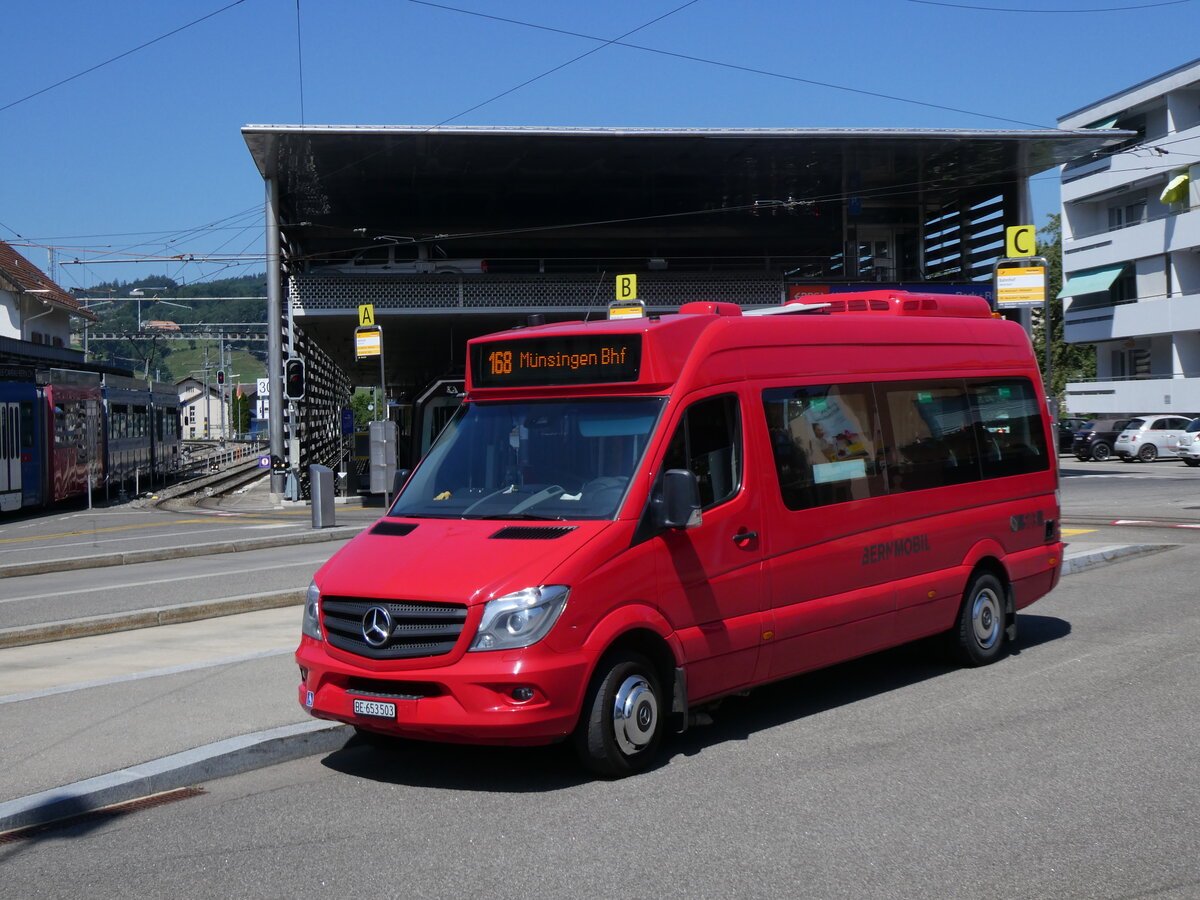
(218, 760)
(45, 632)
(1108, 553)
(157, 554)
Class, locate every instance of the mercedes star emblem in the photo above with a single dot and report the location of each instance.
(376, 626)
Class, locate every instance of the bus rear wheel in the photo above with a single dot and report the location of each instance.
(978, 636)
(622, 722)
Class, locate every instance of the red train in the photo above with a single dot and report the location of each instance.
(62, 430)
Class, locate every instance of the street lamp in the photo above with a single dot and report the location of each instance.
(139, 293)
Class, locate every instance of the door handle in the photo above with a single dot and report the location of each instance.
(744, 537)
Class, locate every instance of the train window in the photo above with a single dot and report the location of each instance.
(26, 429)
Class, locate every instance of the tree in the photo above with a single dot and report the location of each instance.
(359, 402)
(1069, 362)
(239, 411)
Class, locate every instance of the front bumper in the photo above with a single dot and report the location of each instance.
(471, 701)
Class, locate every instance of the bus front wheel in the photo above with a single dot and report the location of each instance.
(622, 722)
(978, 636)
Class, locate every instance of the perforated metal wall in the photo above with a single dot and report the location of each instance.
(506, 293)
(319, 414)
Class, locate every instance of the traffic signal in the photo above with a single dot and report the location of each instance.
(293, 379)
(220, 376)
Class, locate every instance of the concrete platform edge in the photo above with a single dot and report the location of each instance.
(42, 567)
(191, 767)
(23, 635)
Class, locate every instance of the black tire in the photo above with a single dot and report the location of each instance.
(978, 637)
(1188, 461)
(623, 717)
(1147, 453)
(1083, 457)
(1101, 452)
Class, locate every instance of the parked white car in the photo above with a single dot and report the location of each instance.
(1146, 437)
(1189, 444)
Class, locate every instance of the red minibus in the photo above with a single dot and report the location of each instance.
(629, 519)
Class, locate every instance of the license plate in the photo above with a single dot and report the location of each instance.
(375, 709)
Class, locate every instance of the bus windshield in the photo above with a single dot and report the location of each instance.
(558, 460)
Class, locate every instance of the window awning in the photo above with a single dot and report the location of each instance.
(1176, 189)
(1092, 281)
(1110, 122)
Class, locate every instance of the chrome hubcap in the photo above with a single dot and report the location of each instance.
(985, 618)
(635, 714)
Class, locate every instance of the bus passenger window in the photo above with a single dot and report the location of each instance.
(826, 443)
(1010, 427)
(708, 441)
(933, 436)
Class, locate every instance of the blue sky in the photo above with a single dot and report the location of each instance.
(142, 156)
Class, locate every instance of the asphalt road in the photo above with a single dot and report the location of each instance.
(1065, 770)
(89, 592)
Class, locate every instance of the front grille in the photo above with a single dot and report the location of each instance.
(418, 629)
(391, 690)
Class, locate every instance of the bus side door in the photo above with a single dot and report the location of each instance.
(711, 580)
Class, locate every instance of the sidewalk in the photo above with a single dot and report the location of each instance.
(170, 706)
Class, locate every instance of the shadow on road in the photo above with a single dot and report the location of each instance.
(542, 769)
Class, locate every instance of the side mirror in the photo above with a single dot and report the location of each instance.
(680, 499)
(398, 480)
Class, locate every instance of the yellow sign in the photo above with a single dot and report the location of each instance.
(366, 315)
(626, 287)
(1020, 240)
(368, 341)
(1023, 286)
(622, 310)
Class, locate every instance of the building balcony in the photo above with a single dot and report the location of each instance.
(1151, 238)
(1178, 394)
(1167, 315)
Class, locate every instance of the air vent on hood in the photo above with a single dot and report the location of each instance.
(393, 529)
(532, 532)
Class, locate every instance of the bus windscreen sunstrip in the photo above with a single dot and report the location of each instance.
(582, 359)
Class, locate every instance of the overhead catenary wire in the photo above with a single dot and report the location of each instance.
(1006, 9)
(120, 56)
(182, 235)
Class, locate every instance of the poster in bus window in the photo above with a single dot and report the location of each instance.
(828, 428)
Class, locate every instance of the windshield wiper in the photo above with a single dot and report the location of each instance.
(515, 517)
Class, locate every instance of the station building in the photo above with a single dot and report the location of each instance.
(449, 233)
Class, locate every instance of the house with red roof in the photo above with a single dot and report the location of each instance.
(33, 309)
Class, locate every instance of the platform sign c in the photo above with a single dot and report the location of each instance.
(1019, 241)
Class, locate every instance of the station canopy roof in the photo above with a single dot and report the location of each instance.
(497, 192)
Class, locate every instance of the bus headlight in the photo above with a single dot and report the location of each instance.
(311, 625)
(520, 619)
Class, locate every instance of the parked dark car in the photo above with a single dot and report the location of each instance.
(1095, 440)
(1066, 433)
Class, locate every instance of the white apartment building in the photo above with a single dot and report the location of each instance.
(1131, 249)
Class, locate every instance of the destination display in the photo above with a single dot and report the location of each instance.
(584, 359)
